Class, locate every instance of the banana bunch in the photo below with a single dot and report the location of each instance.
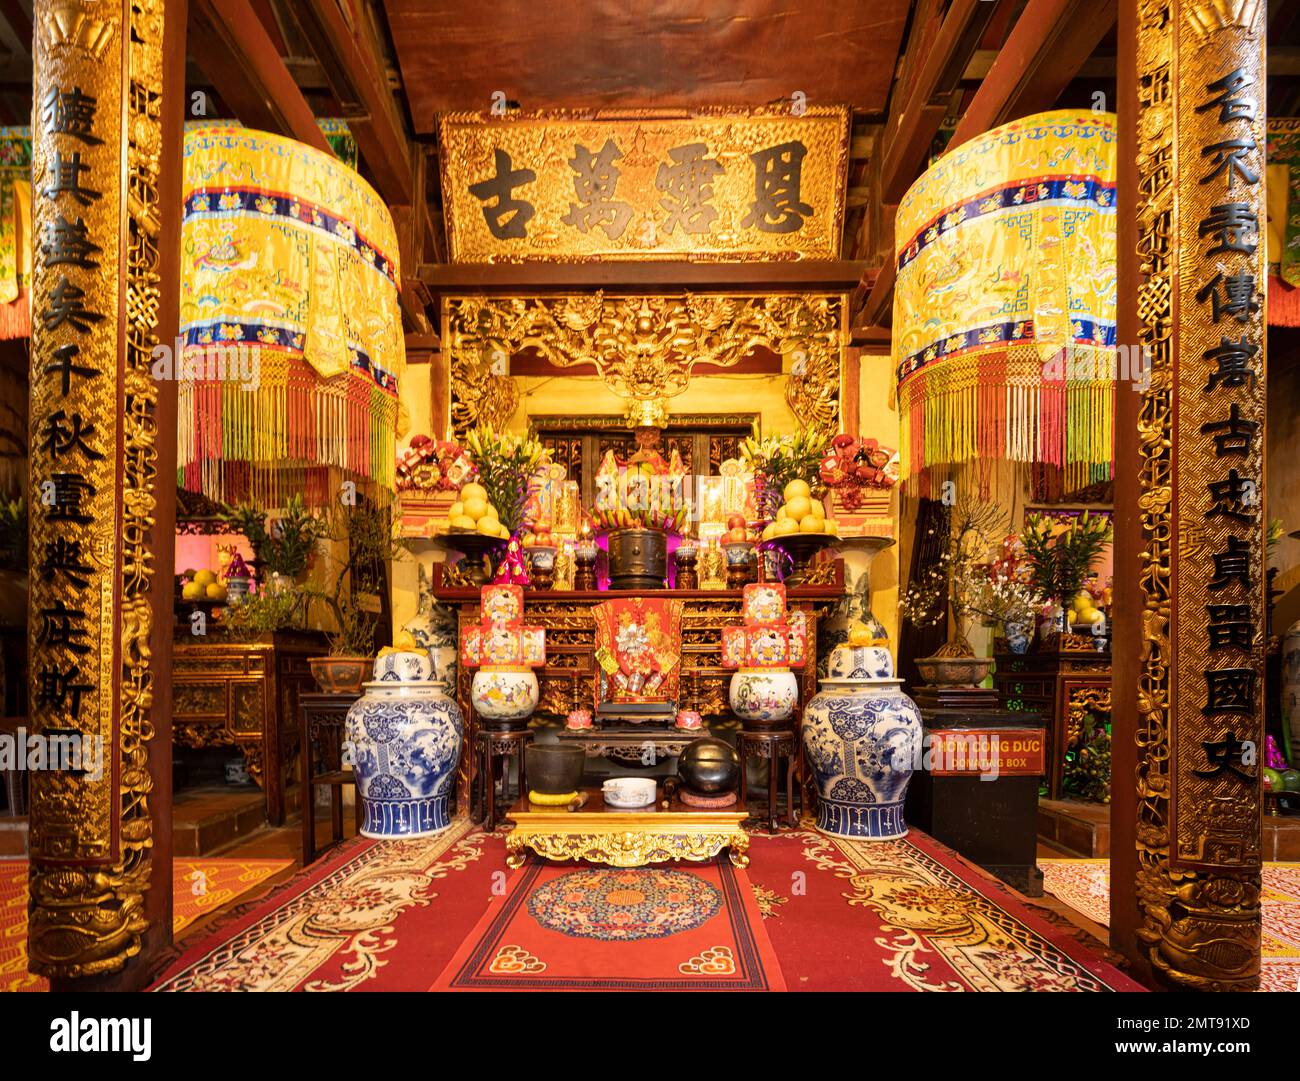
(672, 521)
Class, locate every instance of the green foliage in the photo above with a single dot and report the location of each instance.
(285, 545)
(777, 460)
(265, 612)
(1060, 556)
(367, 531)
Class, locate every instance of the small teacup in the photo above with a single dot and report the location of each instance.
(629, 791)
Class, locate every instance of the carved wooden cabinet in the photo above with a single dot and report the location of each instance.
(1059, 678)
(245, 695)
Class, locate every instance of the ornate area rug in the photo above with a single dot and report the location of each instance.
(909, 915)
(373, 915)
(199, 887)
(561, 927)
(809, 913)
(1084, 885)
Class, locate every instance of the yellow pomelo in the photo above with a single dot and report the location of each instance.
(473, 491)
(786, 525)
(818, 509)
(463, 521)
(810, 523)
(216, 591)
(503, 532)
(798, 508)
(491, 513)
(204, 578)
(795, 489)
(475, 508)
(192, 591)
(489, 527)
(456, 509)
(781, 514)
(769, 531)
(832, 527)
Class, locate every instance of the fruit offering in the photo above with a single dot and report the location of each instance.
(472, 513)
(203, 586)
(800, 513)
(1084, 611)
(539, 536)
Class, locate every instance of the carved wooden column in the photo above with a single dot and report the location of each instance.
(97, 650)
(1197, 684)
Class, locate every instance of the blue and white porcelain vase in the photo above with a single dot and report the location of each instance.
(862, 737)
(405, 737)
(1018, 636)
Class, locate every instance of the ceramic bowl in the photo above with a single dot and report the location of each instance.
(629, 791)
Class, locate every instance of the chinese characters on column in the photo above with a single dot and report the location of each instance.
(1217, 583)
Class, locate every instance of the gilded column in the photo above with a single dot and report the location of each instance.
(1201, 471)
(95, 158)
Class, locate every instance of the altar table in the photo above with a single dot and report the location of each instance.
(567, 680)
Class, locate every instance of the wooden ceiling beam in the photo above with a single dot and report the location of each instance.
(805, 275)
(19, 22)
(233, 49)
(356, 73)
(1044, 52)
(913, 127)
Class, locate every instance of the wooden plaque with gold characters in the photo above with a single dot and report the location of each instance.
(558, 187)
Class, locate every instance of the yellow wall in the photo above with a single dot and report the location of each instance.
(878, 419)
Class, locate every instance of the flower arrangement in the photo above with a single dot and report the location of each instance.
(507, 467)
(953, 582)
(647, 493)
(777, 460)
(1060, 555)
(1002, 591)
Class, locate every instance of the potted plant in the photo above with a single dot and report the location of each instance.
(367, 531)
(1061, 555)
(283, 544)
(948, 587)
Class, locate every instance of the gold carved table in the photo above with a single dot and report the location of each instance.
(666, 831)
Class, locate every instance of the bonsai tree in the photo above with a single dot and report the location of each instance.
(951, 584)
(367, 532)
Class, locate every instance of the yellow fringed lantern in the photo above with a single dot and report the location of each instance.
(291, 337)
(1004, 306)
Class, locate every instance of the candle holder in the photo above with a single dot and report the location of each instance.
(541, 566)
(684, 559)
(584, 567)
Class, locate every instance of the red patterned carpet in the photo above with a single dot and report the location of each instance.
(569, 928)
(199, 887)
(1084, 885)
(824, 915)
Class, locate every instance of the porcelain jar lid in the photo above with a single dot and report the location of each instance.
(860, 662)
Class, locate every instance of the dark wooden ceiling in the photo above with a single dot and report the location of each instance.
(584, 54)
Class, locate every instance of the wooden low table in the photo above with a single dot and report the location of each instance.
(666, 831)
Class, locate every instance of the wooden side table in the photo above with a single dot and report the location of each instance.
(772, 746)
(490, 745)
(323, 717)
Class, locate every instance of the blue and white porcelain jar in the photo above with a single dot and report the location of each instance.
(405, 737)
(862, 736)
